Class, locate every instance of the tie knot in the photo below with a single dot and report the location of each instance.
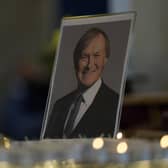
(79, 97)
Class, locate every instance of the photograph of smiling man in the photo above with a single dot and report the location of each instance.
(75, 114)
(87, 81)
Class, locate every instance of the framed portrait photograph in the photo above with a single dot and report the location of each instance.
(88, 79)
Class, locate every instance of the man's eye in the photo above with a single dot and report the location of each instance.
(96, 55)
(84, 57)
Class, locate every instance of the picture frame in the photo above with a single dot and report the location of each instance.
(65, 77)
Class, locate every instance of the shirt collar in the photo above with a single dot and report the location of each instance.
(90, 93)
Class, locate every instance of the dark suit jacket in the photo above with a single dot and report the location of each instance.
(99, 119)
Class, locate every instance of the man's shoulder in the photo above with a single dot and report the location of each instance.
(67, 98)
(108, 91)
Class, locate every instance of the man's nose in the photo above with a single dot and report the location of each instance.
(90, 62)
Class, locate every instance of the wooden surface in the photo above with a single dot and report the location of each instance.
(154, 98)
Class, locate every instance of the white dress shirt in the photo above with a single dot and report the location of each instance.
(88, 97)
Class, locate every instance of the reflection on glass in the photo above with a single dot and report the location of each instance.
(119, 135)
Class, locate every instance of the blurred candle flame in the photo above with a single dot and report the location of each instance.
(122, 147)
(164, 141)
(98, 143)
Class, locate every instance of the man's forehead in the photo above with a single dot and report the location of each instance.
(96, 42)
(98, 35)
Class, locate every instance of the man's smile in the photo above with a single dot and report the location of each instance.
(87, 72)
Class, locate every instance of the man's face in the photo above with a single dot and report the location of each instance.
(92, 61)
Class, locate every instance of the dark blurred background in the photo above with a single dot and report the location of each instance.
(29, 32)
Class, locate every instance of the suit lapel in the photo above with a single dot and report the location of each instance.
(99, 112)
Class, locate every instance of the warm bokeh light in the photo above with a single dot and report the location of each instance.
(71, 161)
(122, 147)
(6, 143)
(98, 143)
(164, 141)
(37, 166)
(48, 164)
(119, 135)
